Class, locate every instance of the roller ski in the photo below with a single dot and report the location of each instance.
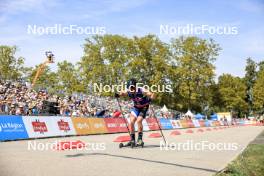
(140, 143)
(131, 144)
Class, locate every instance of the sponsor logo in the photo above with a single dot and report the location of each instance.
(39, 127)
(122, 125)
(175, 123)
(82, 125)
(11, 127)
(98, 125)
(111, 125)
(63, 126)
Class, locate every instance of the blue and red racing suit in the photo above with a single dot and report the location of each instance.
(141, 103)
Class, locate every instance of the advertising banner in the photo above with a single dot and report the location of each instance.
(81, 125)
(63, 126)
(175, 124)
(115, 125)
(97, 125)
(38, 126)
(184, 123)
(207, 123)
(165, 123)
(112, 125)
(211, 122)
(145, 125)
(201, 122)
(196, 123)
(11, 128)
(152, 123)
(190, 123)
(216, 123)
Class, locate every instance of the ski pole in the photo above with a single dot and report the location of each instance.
(123, 115)
(159, 127)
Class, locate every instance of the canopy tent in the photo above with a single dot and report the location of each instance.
(189, 113)
(199, 116)
(164, 109)
(214, 117)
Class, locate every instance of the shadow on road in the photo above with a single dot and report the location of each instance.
(141, 159)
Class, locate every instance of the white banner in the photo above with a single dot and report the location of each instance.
(196, 123)
(144, 123)
(47, 126)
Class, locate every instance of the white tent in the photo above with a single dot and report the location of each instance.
(164, 109)
(189, 113)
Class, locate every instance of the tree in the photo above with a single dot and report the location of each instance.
(149, 63)
(192, 60)
(69, 80)
(261, 65)
(112, 59)
(258, 92)
(250, 79)
(11, 68)
(233, 93)
(105, 59)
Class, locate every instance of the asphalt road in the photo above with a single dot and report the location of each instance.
(101, 156)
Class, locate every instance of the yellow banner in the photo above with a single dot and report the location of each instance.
(97, 125)
(82, 125)
(184, 123)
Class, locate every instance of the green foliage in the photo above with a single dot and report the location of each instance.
(250, 79)
(112, 59)
(150, 62)
(233, 92)
(193, 70)
(258, 91)
(11, 68)
(105, 59)
(68, 78)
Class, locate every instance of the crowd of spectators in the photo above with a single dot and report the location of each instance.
(17, 98)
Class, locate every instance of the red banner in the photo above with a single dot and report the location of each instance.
(190, 123)
(152, 123)
(114, 125)
(201, 122)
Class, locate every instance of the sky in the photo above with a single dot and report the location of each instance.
(130, 18)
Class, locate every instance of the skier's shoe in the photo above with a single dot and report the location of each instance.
(131, 143)
(140, 143)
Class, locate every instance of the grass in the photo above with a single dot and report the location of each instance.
(249, 163)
